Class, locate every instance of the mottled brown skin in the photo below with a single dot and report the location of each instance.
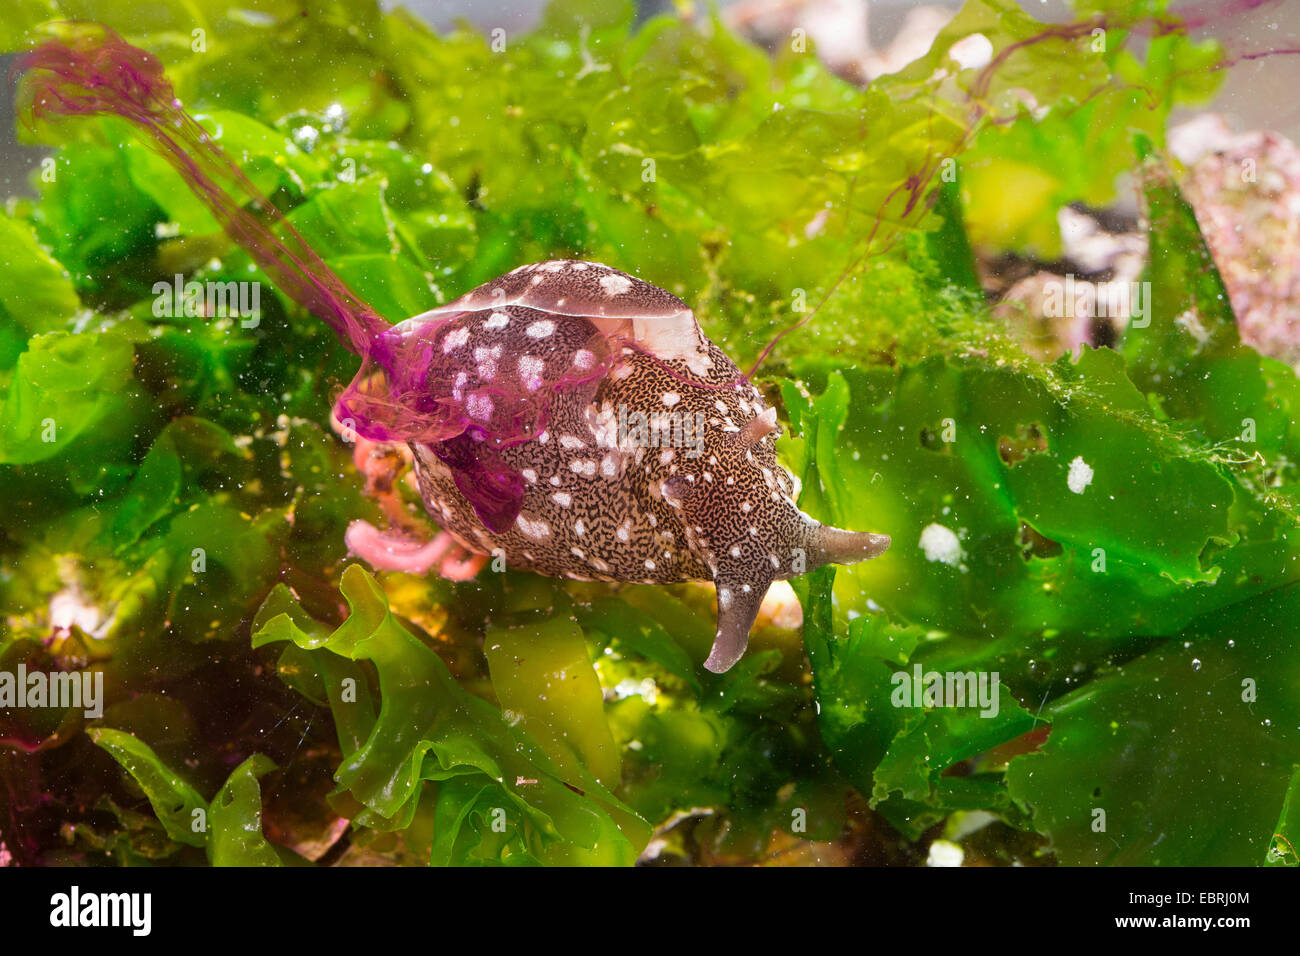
(599, 504)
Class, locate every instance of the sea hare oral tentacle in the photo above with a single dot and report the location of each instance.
(832, 546)
(740, 595)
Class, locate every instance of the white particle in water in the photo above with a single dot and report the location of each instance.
(1080, 476)
(941, 544)
(945, 853)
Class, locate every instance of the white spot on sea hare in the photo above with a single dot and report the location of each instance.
(699, 362)
(562, 498)
(534, 528)
(455, 339)
(584, 358)
(487, 362)
(941, 544)
(479, 407)
(615, 284)
(530, 372)
(498, 320)
(540, 329)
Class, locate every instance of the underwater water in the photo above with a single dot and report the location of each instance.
(647, 440)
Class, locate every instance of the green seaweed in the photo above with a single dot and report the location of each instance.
(172, 475)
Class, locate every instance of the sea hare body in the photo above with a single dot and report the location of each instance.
(648, 457)
(566, 415)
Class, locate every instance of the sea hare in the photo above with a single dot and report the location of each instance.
(568, 417)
